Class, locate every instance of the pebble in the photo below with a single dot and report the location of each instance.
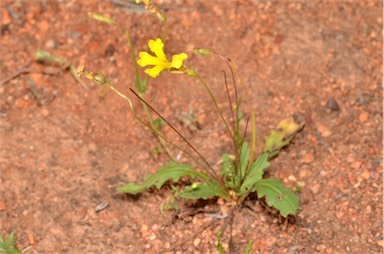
(220, 201)
(308, 157)
(315, 188)
(144, 229)
(303, 173)
(37, 77)
(196, 242)
(51, 44)
(363, 116)
(339, 214)
(365, 175)
(356, 164)
(92, 147)
(3, 205)
(321, 247)
(333, 105)
(324, 131)
(380, 243)
(44, 112)
(31, 239)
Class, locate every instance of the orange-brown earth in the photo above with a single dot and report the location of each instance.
(66, 147)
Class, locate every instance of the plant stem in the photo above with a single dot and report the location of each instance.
(151, 126)
(217, 107)
(253, 120)
(132, 53)
(161, 140)
(137, 81)
(186, 141)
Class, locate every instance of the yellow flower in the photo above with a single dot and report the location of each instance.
(160, 61)
(146, 2)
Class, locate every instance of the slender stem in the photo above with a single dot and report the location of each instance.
(157, 133)
(234, 120)
(253, 120)
(184, 139)
(164, 37)
(137, 80)
(238, 145)
(132, 53)
(229, 98)
(236, 101)
(217, 107)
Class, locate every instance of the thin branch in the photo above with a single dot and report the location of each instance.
(181, 136)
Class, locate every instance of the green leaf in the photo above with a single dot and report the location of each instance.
(244, 155)
(170, 171)
(198, 191)
(9, 246)
(278, 196)
(255, 173)
(141, 85)
(219, 246)
(204, 190)
(249, 247)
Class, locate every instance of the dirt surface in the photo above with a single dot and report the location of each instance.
(65, 147)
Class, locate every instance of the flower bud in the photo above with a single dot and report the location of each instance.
(202, 51)
(99, 78)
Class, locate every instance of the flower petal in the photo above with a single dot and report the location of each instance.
(157, 48)
(147, 59)
(177, 60)
(155, 71)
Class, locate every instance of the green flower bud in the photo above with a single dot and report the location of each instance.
(99, 78)
(202, 51)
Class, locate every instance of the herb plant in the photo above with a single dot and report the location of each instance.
(241, 173)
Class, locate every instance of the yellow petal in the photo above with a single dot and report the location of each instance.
(177, 60)
(155, 71)
(157, 48)
(147, 59)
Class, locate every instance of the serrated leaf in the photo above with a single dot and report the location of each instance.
(255, 173)
(9, 245)
(204, 190)
(198, 191)
(283, 134)
(170, 171)
(278, 196)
